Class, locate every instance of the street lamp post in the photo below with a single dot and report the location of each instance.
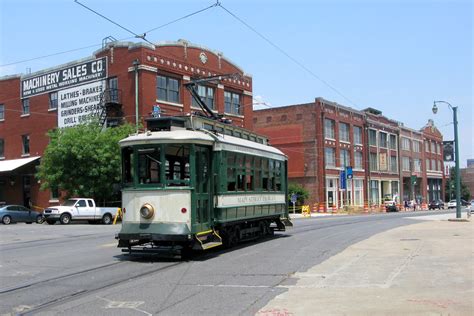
(456, 153)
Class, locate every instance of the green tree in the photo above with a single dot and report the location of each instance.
(83, 160)
(296, 188)
(450, 187)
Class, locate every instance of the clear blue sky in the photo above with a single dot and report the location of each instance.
(395, 55)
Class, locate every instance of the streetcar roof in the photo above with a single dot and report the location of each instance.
(218, 141)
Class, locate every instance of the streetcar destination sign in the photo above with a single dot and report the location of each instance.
(66, 77)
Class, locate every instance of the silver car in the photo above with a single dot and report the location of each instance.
(17, 213)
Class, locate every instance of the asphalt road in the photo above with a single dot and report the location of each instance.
(77, 269)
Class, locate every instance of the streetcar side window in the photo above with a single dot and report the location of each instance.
(253, 173)
(149, 165)
(231, 172)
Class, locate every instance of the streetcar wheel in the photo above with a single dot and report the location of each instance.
(6, 220)
(186, 252)
(65, 219)
(107, 219)
(39, 219)
(226, 238)
(235, 236)
(263, 228)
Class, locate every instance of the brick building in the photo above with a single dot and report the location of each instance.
(320, 139)
(323, 138)
(433, 177)
(72, 93)
(467, 176)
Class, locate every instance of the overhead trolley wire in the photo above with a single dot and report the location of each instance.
(281, 50)
(122, 39)
(142, 36)
(183, 17)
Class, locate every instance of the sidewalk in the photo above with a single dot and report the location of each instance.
(420, 269)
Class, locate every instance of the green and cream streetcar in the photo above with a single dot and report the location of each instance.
(196, 183)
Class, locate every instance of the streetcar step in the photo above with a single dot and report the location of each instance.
(207, 239)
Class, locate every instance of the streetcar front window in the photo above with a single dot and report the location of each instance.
(177, 165)
(149, 165)
(127, 166)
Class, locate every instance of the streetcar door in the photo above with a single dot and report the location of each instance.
(202, 201)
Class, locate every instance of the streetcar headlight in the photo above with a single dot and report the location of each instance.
(147, 211)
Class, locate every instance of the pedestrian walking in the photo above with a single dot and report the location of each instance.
(406, 205)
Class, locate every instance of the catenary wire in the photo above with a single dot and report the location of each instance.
(98, 45)
(142, 36)
(281, 50)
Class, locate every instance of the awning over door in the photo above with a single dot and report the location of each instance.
(12, 164)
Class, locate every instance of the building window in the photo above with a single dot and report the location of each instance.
(2, 112)
(417, 165)
(112, 86)
(358, 192)
(343, 132)
(433, 164)
(383, 140)
(358, 135)
(393, 164)
(440, 168)
(428, 167)
(416, 146)
(207, 96)
(329, 156)
(372, 137)
(405, 164)
(373, 161)
(329, 129)
(25, 106)
(26, 144)
(167, 89)
(358, 162)
(427, 146)
(344, 158)
(405, 143)
(393, 142)
(2, 148)
(232, 103)
(54, 194)
(53, 100)
(433, 147)
(438, 148)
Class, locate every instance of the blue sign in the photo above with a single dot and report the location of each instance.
(156, 111)
(342, 180)
(293, 198)
(349, 173)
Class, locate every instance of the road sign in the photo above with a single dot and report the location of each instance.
(293, 198)
(349, 172)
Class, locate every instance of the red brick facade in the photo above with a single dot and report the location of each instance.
(178, 60)
(322, 138)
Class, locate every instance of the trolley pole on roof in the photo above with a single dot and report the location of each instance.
(135, 64)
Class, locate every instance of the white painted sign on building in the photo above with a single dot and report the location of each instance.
(79, 104)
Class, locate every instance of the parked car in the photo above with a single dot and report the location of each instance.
(18, 213)
(436, 204)
(452, 203)
(79, 209)
(391, 207)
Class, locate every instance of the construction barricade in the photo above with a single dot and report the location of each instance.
(305, 211)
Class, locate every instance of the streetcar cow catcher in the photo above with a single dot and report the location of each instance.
(192, 182)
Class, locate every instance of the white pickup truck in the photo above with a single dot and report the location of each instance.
(79, 209)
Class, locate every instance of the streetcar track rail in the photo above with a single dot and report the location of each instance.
(42, 282)
(78, 294)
